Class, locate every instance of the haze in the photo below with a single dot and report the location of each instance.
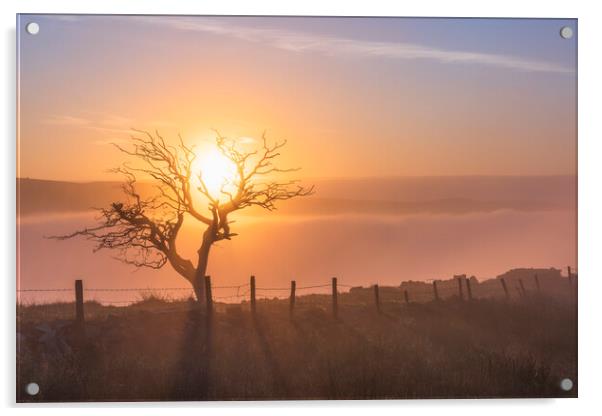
(437, 146)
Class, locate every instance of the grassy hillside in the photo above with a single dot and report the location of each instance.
(157, 350)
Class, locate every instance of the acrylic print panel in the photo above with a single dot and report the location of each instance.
(258, 208)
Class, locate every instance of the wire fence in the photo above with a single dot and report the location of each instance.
(409, 291)
(124, 296)
(221, 293)
(168, 292)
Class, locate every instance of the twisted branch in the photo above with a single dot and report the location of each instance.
(144, 230)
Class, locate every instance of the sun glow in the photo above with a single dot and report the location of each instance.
(216, 171)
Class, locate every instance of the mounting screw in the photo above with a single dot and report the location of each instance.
(32, 28)
(32, 389)
(566, 384)
(566, 32)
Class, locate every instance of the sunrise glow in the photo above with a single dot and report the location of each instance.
(216, 171)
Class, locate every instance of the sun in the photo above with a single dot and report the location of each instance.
(217, 172)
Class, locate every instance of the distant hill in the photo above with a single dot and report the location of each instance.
(384, 196)
(549, 281)
(35, 196)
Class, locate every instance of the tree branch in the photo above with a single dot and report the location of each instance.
(144, 230)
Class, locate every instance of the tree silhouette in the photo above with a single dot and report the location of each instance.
(144, 230)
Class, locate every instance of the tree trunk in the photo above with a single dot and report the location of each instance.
(201, 269)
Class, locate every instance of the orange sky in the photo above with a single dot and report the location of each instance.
(362, 97)
(345, 93)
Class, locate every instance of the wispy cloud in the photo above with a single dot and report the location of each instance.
(332, 45)
(112, 140)
(101, 122)
(66, 121)
(118, 129)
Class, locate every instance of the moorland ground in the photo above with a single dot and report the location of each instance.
(171, 350)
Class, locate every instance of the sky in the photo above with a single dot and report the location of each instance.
(354, 97)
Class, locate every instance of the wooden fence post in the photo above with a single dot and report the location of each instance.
(252, 284)
(208, 295)
(292, 299)
(406, 296)
(79, 302)
(503, 281)
(377, 298)
(335, 303)
(468, 289)
(435, 290)
(460, 292)
(537, 283)
(570, 274)
(522, 287)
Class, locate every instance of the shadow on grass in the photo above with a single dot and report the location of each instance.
(192, 373)
(279, 382)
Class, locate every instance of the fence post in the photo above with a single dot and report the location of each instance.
(570, 274)
(435, 291)
(292, 299)
(460, 292)
(537, 283)
(406, 296)
(376, 298)
(79, 302)
(522, 287)
(252, 284)
(468, 289)
(505, 288)
(335, 303)
(208, 295)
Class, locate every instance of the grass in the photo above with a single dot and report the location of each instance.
(158, 349)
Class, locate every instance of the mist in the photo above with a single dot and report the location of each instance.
(358, 249)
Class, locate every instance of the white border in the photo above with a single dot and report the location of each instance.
(590, 200)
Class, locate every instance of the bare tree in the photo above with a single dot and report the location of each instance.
(144, 230)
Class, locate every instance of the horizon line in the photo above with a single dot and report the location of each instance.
(335, 178)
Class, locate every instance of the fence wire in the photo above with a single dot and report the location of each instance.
(415, 291)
